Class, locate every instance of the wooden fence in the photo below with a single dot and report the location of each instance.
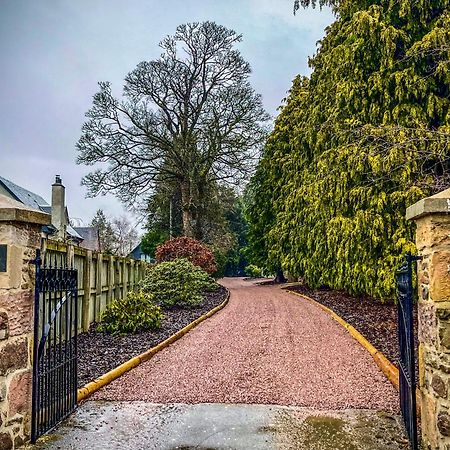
(101, 279)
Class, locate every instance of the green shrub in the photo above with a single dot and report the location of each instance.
(253, 271)
(177, 283)
(135, 312)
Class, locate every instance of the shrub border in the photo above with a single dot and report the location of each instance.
(389, 370)
(93, 386)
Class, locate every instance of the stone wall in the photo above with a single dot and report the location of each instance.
(433, 244)
(101, 278)
(20, 232)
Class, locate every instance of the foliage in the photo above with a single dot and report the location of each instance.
(105, 231)
(190, 118)
(151, 240)
(366, 136)
(135, 312)
(253, 271)
(191, 249)
(177, 283)
(117, 236)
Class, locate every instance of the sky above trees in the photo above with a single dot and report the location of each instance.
(54, 53)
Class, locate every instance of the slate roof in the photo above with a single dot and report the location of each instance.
(24, 196)
(34, 201)
(90, 237)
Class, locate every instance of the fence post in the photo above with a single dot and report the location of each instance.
(111, 281)
(20, 236)
(85, 311)
(131, 274)
(125, 277)
(432, 218)
(98, 284)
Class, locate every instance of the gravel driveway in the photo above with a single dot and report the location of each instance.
(264, 347)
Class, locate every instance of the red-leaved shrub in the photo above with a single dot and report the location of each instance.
(189, 248)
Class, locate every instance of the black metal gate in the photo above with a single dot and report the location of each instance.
(407, 372)
(55, 343)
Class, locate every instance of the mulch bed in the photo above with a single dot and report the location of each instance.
(99, 352)
(376, 321)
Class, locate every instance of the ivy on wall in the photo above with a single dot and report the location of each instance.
(364, 137)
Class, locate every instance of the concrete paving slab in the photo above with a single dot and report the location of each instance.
(141, 425)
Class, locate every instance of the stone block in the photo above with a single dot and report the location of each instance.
(424, 293)
(2, 389)
(424, 277)
(443, 310)
(443, 423)
(427, 322)
(440, 276)
(18, 441)
(432, 231)
(6, 442)
(20, 312)
(444, 336)
(12, 278)
(3, 326)
(16, 420)
(439, 385)
(437, 361)
(13, 356)
(428, 415)
(421, 364)
(19, 394)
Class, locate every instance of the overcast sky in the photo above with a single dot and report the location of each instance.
(53, 53)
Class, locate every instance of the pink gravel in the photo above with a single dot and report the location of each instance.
(266, 347)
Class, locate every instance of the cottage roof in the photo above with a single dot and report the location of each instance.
(24, 196)
(90, 237)
(35, 201)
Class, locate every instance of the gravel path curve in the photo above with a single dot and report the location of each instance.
(265, 347)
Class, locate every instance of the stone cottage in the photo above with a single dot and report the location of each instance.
(60, 227)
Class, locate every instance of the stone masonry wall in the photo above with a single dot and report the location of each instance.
(16, 317)
(433, 244)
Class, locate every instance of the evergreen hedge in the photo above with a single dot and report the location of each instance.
(355, 144)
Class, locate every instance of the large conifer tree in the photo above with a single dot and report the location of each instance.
(367, 136)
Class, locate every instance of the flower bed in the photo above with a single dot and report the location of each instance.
(100, 352)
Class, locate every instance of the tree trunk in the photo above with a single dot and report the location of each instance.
(280, 278)
(200, 210)
(186, 203)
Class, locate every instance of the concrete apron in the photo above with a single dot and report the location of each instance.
(140, 425)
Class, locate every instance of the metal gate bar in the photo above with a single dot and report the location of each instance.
(55, 343)
(407, 370)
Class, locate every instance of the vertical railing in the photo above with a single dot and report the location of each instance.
(55, 343)
(407, 371)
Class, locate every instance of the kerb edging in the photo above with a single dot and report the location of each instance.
(390, 371)
(93, 386)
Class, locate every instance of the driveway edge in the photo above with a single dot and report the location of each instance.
(93, 386)
(388, 369)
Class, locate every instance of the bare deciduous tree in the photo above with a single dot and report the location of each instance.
(125, 236)
(189, 117)
(117, 236)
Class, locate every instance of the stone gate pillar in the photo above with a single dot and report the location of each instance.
(20, 234)
(432, 217)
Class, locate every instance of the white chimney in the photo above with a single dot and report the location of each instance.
(59, 218)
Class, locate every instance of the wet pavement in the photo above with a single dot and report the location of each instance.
(142, 425)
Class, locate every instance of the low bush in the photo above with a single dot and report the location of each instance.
(253, 271)
(191, 249)
(177, 283)
(135, 312)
